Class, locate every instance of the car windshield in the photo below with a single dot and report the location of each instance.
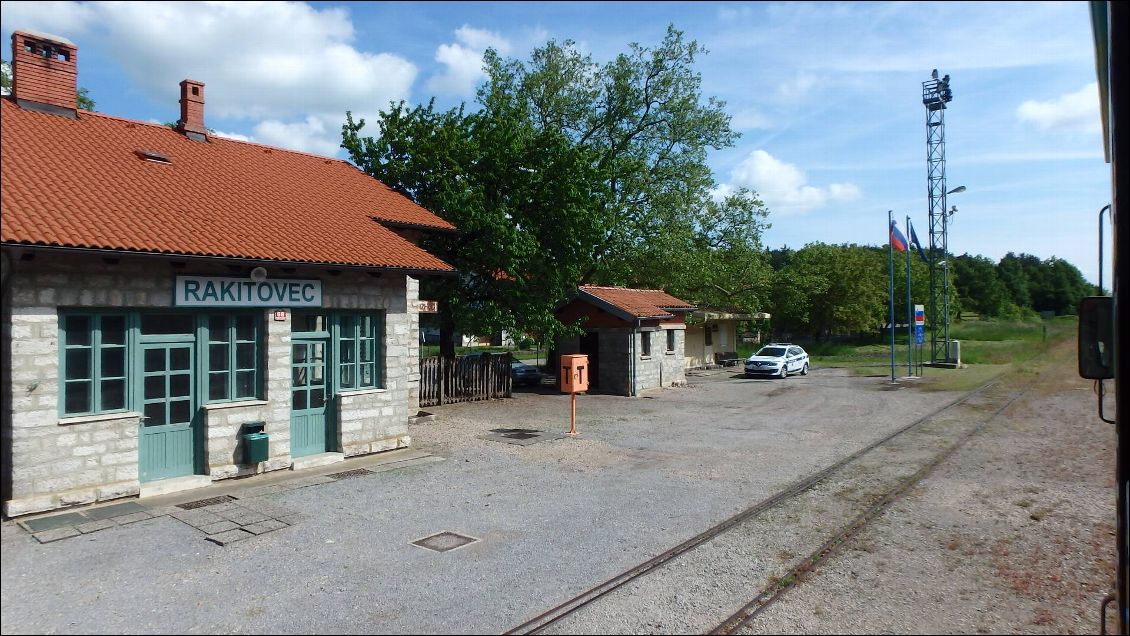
(772, 352)
(517, 365)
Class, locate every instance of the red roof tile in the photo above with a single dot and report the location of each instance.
(82, 183)
(639, 303)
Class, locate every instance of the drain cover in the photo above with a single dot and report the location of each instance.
(513, 430)
(200, 503)
(444, 541)
(356, 472)
(519, 435)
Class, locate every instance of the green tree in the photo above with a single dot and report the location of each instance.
(569, 172)
(82, 97)
(981, 289)
(831, 289)
(711, 258)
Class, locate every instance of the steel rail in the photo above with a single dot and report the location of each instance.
(770, 595)
(551, 616)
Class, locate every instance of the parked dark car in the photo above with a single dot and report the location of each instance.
(523, 374)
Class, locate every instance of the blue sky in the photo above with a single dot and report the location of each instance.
(827, 96)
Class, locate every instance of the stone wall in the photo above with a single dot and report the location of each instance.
(615, 367)
(55, 462)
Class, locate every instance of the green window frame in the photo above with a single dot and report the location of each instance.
(93, 363)
(232, 361)
(358, 338)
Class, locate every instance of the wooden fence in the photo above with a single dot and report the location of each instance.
(446, 380)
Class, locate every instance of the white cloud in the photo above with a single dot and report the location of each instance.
(1073, 112)
(749, 119)
(796, 88)
(783, 186)
(55, 18)
(463, 60)
(276, 61)
(313, 135)
(231, 135)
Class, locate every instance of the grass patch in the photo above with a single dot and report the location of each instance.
(988, 347)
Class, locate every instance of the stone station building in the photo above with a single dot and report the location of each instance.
(168, 294)
(634, 338)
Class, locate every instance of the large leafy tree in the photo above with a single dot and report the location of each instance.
(824, 289)
(980, 287)
(569, 172)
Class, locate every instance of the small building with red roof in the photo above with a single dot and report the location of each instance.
(634, 338)
(180, 308)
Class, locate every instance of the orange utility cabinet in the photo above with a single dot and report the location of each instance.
(574, 373)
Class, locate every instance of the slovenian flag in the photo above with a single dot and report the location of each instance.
(914, 242)
(898, 241)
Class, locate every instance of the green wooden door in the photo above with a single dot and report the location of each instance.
(310, 417)
(167, 440)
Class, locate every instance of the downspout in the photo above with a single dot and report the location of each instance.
(635, 331)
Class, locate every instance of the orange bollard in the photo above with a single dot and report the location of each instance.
(573, 419)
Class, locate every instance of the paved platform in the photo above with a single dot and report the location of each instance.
(225, 512)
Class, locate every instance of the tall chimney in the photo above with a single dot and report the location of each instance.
(45, 73)
(192, 110)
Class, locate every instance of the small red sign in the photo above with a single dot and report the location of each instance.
(280, 315)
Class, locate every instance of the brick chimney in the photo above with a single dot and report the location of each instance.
(192, 110)
(45, 73)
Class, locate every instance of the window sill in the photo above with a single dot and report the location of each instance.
(236, 404)
(99, 417)
(353, 392)
(645, 357)
(670, 353)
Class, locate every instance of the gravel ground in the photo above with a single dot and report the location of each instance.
(555, 518)
(1013, 534)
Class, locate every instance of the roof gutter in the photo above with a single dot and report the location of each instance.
(227, 260)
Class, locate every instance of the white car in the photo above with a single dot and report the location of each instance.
(777, 359)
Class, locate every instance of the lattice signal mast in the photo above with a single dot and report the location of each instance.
(935, 95)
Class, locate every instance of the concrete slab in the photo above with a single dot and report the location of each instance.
(244, 517)
(264, 526)
(218, 527)
(197, 518)
(95, 526)
(55, 535)
(132, 518)
(53, 522)
(115, 510)
(519, 437)
(315, 461)
(176, 484)
(231, 536)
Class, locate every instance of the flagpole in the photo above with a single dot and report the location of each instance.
(891, 284)
(909, 310)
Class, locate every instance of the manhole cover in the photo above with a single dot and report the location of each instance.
(200, 503)
(519, 435)
(356, 472)
(506, 431)
(444, 541)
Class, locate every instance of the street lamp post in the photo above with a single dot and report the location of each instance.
(946, 272)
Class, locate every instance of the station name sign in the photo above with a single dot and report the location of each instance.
(216, 291)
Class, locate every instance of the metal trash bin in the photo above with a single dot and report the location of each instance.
(256, 444)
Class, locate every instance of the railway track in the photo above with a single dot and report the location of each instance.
(935, 430)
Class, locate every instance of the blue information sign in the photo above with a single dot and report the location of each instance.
(919, 334)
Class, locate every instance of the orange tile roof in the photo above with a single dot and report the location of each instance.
(81, 183)
(639, 303)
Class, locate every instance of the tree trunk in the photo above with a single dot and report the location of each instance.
(446, 332)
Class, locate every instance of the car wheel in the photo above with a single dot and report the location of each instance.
(804, 369)
(784, 371)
